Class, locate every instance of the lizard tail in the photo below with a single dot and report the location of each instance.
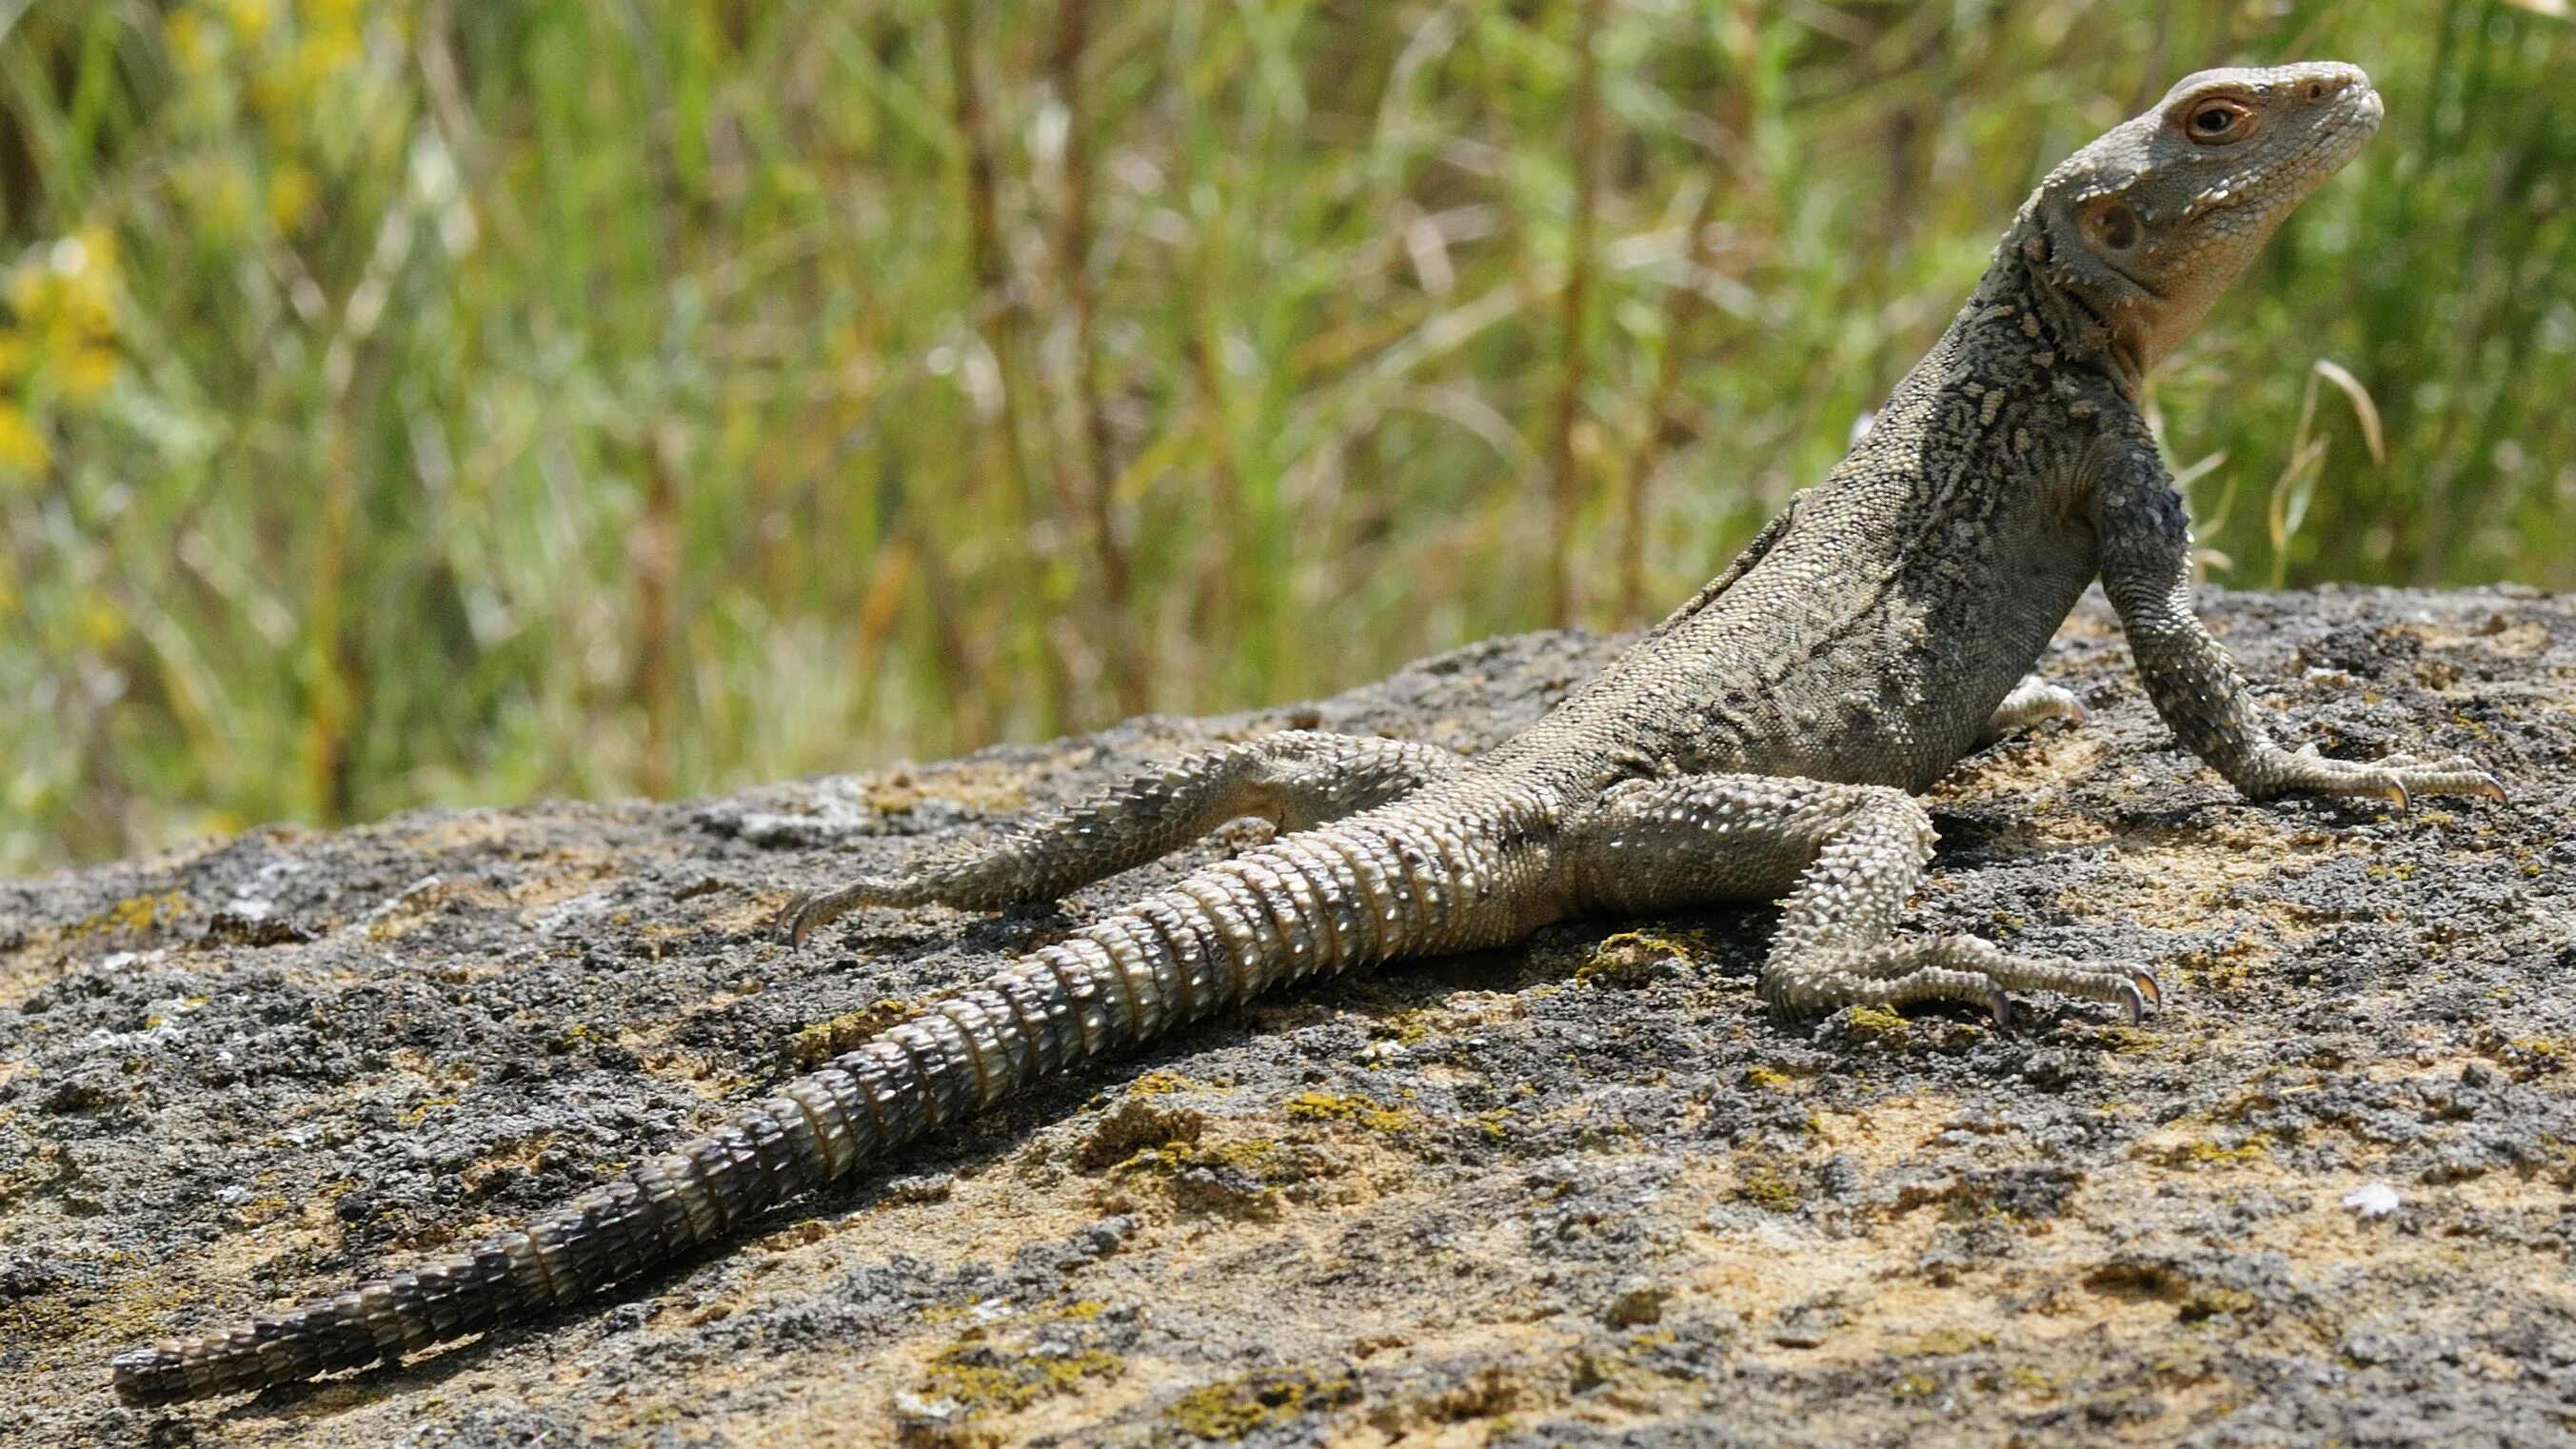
(1308, 904)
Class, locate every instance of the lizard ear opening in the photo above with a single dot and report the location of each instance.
(2109, 224)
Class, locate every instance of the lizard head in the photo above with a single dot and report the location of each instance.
(2143, 229)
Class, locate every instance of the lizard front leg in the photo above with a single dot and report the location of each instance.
(2145, 544)
(1845, 856)
(1295, 779)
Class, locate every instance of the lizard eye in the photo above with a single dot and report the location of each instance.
(2218, 121)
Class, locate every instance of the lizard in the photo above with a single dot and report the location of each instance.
(1766, 741)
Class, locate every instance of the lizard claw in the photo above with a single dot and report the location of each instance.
(2133, 1002)
(2148, 988)
(2001, 1005)
(795, 922)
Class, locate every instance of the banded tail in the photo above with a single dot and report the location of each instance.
(1399, 881)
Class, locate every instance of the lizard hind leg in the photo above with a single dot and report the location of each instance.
(1833, 949)
(1845, 856)
(1295, 779)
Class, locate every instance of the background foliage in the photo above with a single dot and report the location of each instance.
(434, 400)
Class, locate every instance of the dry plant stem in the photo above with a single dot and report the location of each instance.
(653, 688)
(1681, 305)
(1573, 317)
(997, 323)
(1130, 667)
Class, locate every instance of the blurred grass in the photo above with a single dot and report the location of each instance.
(434, 400)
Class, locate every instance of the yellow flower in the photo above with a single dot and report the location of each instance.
(321, 56)
(13, 354)
(186, 32)
(290, 195)
(97, 250)
(249, 18)
(22, 448)
(88, 370)
(27, 291)
(100, 622)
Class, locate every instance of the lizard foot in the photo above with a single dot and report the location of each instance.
(2032, 701)
(2396, 779)
(1949, 968)
(803, 914)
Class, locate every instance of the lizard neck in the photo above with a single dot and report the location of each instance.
(2087, 317)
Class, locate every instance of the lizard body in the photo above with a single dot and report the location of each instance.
(1763, 742)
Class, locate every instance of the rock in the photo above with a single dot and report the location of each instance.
(1494, 1198)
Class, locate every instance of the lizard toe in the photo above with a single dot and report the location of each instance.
(2133, 1002)
(2148, 988)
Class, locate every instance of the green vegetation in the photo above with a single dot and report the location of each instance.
(427, 400)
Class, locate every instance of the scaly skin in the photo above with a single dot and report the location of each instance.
(1765, 741)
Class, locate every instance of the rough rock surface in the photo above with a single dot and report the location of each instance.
(1579, 1193)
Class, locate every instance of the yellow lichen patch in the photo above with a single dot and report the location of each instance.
(1232, 1177)
(1632, 958)
(2124, 1040)
(517, 1155)
(1349, 1107)
(2176, 1146)
(1769, 1183)
(1878, 1024)
(1135, 1126)
(135, 915)
(1235, 1408)
(825, 1040)
(981, 1377)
